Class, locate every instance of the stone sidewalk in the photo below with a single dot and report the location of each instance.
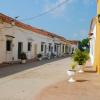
(86, 87)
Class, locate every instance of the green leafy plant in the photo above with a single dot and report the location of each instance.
(73, 65)
(23, 56)
(80, 57)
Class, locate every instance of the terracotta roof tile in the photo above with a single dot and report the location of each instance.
(9, 20)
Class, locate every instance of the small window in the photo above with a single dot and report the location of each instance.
(49, 46)
(66, 49)
(55, 48)
(63, 48)
(29, 46)
(8, 45)
(41, 46)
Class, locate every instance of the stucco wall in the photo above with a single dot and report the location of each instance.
(22, 35)
(2, 48)
(17, 34)
(92, 45)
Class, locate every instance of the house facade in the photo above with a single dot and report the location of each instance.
(94, 36)
(17, 37)
(72, 46)
(97, 47)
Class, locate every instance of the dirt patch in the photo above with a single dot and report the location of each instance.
(87, 87)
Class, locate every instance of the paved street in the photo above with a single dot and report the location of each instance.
(24, 82)
(86, 87)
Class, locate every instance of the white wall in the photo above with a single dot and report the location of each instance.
(22, 35)
(2, 46)
(71, 47)
(92, 45)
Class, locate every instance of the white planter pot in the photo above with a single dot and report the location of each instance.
(23, 61)
(80, 69)
(71, 74)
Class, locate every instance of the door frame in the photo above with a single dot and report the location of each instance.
(20, 49)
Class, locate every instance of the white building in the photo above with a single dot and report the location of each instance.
(17, 37)
(92, 37)
(72, 46)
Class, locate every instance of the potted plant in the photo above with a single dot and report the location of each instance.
(23, 57)
(39, 56)
(71, 72)
(80, 57)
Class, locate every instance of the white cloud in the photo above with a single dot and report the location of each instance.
(59, 11)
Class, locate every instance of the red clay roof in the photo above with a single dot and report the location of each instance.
(73, 42)
(9, 20)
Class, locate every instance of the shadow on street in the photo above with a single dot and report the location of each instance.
(12, 69)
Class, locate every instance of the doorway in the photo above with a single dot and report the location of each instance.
(20, 48)
(9, 49)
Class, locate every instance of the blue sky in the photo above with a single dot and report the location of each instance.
(72, 20)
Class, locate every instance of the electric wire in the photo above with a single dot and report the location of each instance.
(46, 12)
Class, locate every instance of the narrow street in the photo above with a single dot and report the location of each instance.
(24, 82)
(46, 53)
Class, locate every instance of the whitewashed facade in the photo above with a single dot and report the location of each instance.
(92, 37)
(72, 47)
(15, 39)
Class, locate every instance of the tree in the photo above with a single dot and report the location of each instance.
(84, 45)
(85, 42)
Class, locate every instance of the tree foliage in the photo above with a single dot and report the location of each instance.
(80, 56)
(84, 45)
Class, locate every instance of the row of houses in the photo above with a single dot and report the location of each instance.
(94, 36)
(17, 37)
